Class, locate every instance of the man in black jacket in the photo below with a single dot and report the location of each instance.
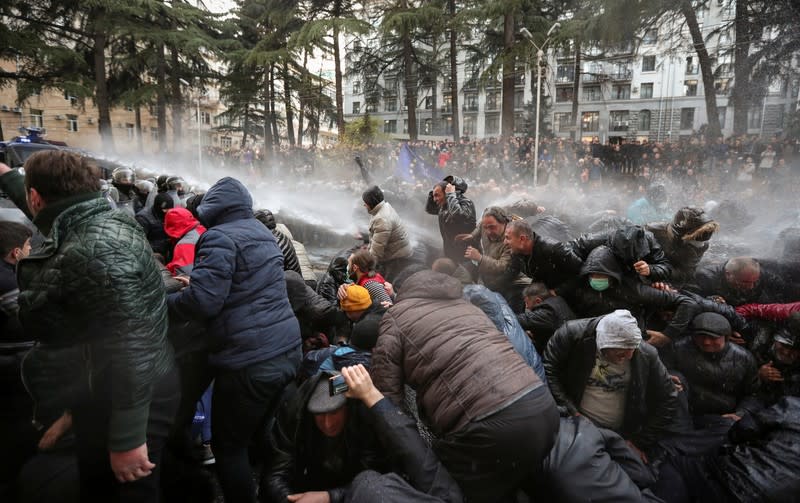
(456, 215)
(601, 369)
(539, 258)
(544, 314)
(738, 281)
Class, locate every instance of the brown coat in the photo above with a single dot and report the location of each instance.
(462, 368)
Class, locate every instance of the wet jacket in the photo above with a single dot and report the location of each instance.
(314, 312)
(627, 293)
(154, 230)
(181, 226)
(761, 462)
(456, 216)
(495, 260)
(388, 238)
(629, 244)
(441, 345)
(773, 312)
(549, 262)
(237, 285)
(94, 290)
(545, 318)
(651, 401)
(297, 461)
(718, 383)
(683, 257)
(771, 392)
(290, 260)
(710, 280)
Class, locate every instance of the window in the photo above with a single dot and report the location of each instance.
(519, 98)
(372, 108)
(650, 36)
(428, 102)
(722, 86)
(390, 105)
(73, 100)
(564, 94)
(691, 66)
(690, 87)
(154, 133)
(72, 123)
(562, 122)
(471, 102)
(590, 121)
(687, 118)
(448, 104)
(520, 123)
(620, 120)
(129, 130)
(754, 118)
(725, 37)
(36, 119)
(390, 85)
(405, 126)
(356, 107)
(721, 113)
(621, 92)
(493, 101)
(492, 124)
(469, 125)
(129, 108)
(648, 63)
(644, 120)
(592, 93)
(427, 127)
(226, 142)
(646, 90)
(205, 118)
(565, 74)
(357, 87)
(390, 126)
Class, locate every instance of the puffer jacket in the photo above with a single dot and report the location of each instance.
(718, 383)
(683, 257)
(180, 225)
(629, 244)
(652, 400)
(550, 262)
(449, 352)
(93, 290)
(295, 464)
(456, 216)
(628, 293)
(388, 237)
(237, 284)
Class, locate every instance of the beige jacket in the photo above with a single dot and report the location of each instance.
(388, 238)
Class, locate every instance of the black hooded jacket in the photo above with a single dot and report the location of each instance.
(154, 230)
(627, 293)
(456, 216)
(683, 257)
(651, 401)
(629, 244)
(549, 262)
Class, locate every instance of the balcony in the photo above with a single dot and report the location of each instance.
(447, 109)
(620, 125)
(565, 80)
(592, 78)
(692, 69)
(472, 108)
(622, 75)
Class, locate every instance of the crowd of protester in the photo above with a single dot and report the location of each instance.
(150, 330)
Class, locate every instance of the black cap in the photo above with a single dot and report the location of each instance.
(710, 325)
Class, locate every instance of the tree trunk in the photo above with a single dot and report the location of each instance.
(267, 123)
(509, 67)
(410, 87)
(101, 86)
(741, 64)
(161, 98)
(287, 97)
(245, 125)
(302, 100)
(138, 120)
(338, 70)
(451, 4)
(576, 87)
(177, 101)
(273, 117)
(713, 131)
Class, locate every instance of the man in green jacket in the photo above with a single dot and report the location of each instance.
(93, 299)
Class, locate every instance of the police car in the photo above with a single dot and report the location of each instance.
(16, 151)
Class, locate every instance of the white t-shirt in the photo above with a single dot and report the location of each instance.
(604, 396)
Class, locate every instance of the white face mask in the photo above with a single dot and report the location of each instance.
(697, 244)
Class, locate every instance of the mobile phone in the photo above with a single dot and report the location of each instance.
(337, 385)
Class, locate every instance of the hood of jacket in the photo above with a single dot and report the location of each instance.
(601, 260)
(226, 201)
(178, 222)
(459, 183)
(429, 284)
(630, 244)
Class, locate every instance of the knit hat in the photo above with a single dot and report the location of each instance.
(373, 196)
(162, 202)
(357, 299)
(321, 401)
(365, 333)
(710, 325)
(618, 330)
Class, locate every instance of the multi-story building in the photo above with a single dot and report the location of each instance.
(651, 89)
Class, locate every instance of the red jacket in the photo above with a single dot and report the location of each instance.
(775, 312)
(181, 226)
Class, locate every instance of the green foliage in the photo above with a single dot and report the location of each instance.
(361, 131)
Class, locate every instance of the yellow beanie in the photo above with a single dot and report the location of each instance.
(358, 299)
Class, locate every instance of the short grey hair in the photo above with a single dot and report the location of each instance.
(521, 228)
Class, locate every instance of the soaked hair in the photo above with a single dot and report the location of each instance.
(59, 174)
(521, 228)
(497, 213)
(12, 235)
(537, 289)
(738, 265)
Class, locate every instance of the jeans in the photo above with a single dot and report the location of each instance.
(242, 402)
(90, 421)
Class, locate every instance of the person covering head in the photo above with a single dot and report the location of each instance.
(710, 325)
(618, 330)
(373, 196)
(321, 401)
(357, 299)
(693, 224)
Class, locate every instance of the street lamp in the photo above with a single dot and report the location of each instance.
(539, 55)
(199, 132)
